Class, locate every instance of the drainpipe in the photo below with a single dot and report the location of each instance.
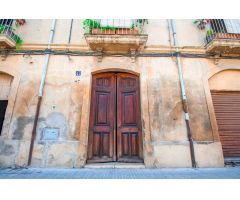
(69, 37)
(40, 92)
(183, 93)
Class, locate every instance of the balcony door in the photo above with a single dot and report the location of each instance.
(115, 121)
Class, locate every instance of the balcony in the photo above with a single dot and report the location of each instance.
(115, 35)
(8, 39)
(223, 36)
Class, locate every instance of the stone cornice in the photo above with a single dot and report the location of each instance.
(86, 48)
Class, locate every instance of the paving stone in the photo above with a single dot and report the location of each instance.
(121, 173)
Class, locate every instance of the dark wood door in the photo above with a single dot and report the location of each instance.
(115, 123)
(101, 146)
(129, 137)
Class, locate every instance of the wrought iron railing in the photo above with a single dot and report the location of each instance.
(114, 26)
(221, 29)
(7, 29)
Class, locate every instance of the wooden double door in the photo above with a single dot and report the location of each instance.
(115, 123)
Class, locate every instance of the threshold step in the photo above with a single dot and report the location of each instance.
(116, 165)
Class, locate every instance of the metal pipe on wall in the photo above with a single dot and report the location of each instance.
(40, 92)
(70, 32)
(183, 93)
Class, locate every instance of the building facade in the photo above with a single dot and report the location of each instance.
(165, 93)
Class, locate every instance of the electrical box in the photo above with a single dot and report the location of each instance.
(50, 133)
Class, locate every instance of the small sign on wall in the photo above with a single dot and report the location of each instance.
(50, 133)
(78, 73)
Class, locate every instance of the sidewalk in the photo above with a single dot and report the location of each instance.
(86, 173)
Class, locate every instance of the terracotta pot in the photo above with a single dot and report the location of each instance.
(99, 31)
(20, 22)
(226, 36)
(127, 31)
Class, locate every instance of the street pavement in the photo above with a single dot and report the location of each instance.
(106, 173)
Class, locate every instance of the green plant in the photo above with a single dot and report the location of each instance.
(104, 28)
(210, 32)
(201, 23)
(1, 28)
(142, 21)
(15, 37)
(18, 41)
(89, 24)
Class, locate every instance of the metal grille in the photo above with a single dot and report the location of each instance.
(222, 29)
(6, 28)
(227, 110)
(114, 26)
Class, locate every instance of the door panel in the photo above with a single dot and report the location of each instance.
(129, 135)
(101, 146)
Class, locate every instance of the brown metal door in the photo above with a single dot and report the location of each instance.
(129, 135)
(101, 146)
(227, 111)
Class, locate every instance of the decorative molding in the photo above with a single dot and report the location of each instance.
(116, 43)
(146, 49)
(224, 46)
(6, 41)
(210, 73)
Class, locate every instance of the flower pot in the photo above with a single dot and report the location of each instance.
(20, 22)
(127, 31)
(225, 36)
(230, 36)
(99, 31)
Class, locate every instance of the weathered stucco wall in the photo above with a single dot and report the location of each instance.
(227, 80)
(65, 106)
(66, 99)
(36, 31)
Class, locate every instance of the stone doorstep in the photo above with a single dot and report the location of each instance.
(112, 165)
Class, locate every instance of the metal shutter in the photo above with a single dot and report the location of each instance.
(232, 25)
(227, 111)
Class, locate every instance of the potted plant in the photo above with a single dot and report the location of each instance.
(210, 35)
(133, 30)
(201, 23)
(20, 22)
(89, 25)
(142, 21)
(108, 30)
(94, 27)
